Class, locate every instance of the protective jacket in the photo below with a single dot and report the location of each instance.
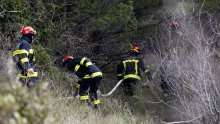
(24, 57)
(83, 68)
(130, 67)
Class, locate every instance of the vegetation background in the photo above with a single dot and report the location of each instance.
(103, 31)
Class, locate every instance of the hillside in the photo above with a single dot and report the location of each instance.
(186, 57)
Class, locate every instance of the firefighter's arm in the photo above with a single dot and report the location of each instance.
(145, 70)
(24, 58)
(85, 62)
(31, 57)
(141, 65)
(148, 73)
(120, 71)
(22, 54)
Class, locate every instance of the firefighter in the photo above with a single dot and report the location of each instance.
(175, 34)
(129, 70)
(175, 29)
(24, 57)
(89, 76)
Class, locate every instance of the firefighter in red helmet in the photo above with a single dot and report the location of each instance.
(175, 30)
(89, 76)
(24, 57)
(175, 35)
(129, 70)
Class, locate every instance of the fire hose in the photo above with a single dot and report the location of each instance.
(109, 93)
(116, 86)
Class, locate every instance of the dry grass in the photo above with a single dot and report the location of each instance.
(111, 112)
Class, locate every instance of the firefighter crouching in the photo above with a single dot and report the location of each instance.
(89, 76)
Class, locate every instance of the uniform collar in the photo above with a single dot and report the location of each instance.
(26, 38)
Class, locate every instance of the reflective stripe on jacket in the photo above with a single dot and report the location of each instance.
(130, 68)
(24, 54)
(83, 68)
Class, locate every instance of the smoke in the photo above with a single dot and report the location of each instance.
(10, 68)
(174, 8)
(188, 65)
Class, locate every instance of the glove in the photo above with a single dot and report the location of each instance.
(179, 33)
(91, 76)
(147, 72)
(30, 70)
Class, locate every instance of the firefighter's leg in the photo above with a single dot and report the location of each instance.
(164, 86)
(132, 97)
(77, 89)
(84, 97)
(32, 79)
(127, 87)
(133, 88)
(31, 82)
(94, 85)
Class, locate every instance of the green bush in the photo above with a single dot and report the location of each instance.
(211, 4)
(21, 106)
(119, 19)
(43, 59)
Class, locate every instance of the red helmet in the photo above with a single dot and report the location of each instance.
(66, 58)
(135, 48)
(28, 30)
(175, 24)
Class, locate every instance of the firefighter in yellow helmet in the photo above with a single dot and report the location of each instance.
(23, 56)
(129, 70)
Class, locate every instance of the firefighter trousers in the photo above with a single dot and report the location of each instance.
(128, 86)
(92, 84)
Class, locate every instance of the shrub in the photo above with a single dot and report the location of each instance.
(22, 106)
